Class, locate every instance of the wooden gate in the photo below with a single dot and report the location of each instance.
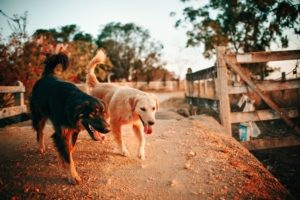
(229, 65)
(234, 61)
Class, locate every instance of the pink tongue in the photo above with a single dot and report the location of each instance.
(147, 129)
(98, 136)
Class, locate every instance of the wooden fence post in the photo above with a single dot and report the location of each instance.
(19, 97)
(222, 90)
(190, 84)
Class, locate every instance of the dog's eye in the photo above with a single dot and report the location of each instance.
(153, 108)
(100, 110)
(143, 109)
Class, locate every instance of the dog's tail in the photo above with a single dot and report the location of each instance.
(54, 63)
(99, 58)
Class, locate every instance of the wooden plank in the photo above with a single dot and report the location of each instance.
(222, 90)
(201, 74)
(208, 96)
(12, 89)
(237, 68)
(271, 143)
(199, 88)
(258, 57)
(22, 102)
(205, 89)
(12, 111)
(261, 115)
(267, 86)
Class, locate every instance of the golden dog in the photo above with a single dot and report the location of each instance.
(126, 105)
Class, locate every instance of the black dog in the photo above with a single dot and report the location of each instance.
(69, 109)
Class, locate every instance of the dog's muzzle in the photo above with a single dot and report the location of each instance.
(147, 126)
(96, 133)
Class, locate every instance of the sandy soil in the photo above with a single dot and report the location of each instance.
(186, 158)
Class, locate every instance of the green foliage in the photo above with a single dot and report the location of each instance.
(17, 24)
(80, 54)
(242, 26)
(20, 61)
(64, 33)
(22, 57)
(79, 51)
(130, 48)
(83, 37)
(127, 46)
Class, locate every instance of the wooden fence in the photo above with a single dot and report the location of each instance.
(19, 107)
(155, 85)
(219, 83)
(167, 86)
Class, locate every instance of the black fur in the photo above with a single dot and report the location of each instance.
(64, 104)
(52, 61)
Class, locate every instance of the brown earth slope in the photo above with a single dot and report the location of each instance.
(186, 158)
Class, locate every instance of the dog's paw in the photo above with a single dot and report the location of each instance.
(125, 152)
(142, 156)
(74, 180)
(42, 151)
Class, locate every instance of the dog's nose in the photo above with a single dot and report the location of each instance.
(106, 128)
(150, 123)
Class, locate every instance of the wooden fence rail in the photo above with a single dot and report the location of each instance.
(20, 106)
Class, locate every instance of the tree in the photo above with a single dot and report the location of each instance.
(17, 24)
(64, 33)
(20, 59)
(127, 46)
(11, 62)
(69, 33)
(80, 52)
(80, 36)
(242, 26)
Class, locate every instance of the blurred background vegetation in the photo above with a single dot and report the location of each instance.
(133, 54)
(241, 26)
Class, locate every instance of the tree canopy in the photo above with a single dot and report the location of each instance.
(242, 26)
(131, 51)
(128, 46)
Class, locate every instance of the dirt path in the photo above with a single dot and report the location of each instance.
(185, 159)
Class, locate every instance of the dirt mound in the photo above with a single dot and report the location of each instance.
(185, 159)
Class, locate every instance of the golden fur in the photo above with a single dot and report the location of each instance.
(126, 105)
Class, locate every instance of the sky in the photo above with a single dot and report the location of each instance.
(90, 15)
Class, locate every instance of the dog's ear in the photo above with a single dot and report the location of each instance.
(75, 112)
(80, 108)
(155, 99)
(132, 102)
(157, 103)
(103, 105)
